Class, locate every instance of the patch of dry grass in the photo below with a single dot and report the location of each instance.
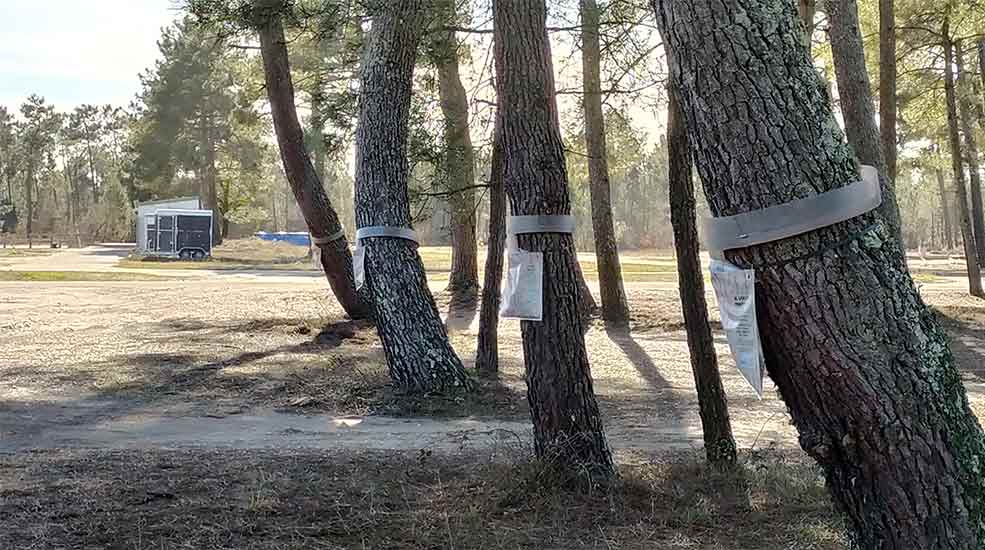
(338, 368)
(303, 499)
(254, 253)
(24, 252)
(68, 276)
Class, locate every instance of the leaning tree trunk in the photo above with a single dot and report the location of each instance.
(966, 107)
(565, 414)
(463, 282)
(322, 221)
(960, 190)
(855, 96)
(945, 209)
(887, 85)
(414, 340)
(614, 306)
(863, 365)
(713, 406)
(487, 349)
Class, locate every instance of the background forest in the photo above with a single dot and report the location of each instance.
(200, 125)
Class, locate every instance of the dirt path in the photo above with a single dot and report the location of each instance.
(215, 362)
(104, 424)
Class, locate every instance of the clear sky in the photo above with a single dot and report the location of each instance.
(77, 51)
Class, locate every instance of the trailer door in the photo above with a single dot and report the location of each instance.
(194, 233)
(165, 234)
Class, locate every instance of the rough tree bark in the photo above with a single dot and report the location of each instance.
(321, 218)
(966, 108)
(957, 165)
(567, 424)
(418, 353)
(855, 95)
(887, 85)
(945, 209)
(715, 424)
(981, 70)
(463, 282)
(614, 307)
(487, 348)
(863, 365)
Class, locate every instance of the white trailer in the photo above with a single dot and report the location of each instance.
(144, 212)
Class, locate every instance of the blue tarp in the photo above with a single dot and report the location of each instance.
(297, 237)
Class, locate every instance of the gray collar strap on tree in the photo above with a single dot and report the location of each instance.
(372, 232)
(541, 224)
(323, 241)
(523, 294)
(795, 217)
(385, 231)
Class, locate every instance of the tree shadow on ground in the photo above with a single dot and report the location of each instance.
(339, 369)
(623, 338)
(671, 402)
(965, 324)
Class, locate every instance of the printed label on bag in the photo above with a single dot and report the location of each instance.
(523, 293)
(735, 290)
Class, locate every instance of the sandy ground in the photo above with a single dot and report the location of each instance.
(201, 360)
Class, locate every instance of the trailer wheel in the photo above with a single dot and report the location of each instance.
(185, 254)
(198, 255)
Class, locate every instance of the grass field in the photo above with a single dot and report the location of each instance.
(23, 252)
(247, 254)
(67, 276)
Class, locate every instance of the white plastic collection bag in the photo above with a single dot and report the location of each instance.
(359, 264)
(523, 293)
(735, 291)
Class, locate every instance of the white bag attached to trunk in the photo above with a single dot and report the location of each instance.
(359, 265)
(523, 292)
(735, 290)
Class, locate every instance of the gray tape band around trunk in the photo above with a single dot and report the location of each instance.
(540, 224)
(386, 231)
(795, 217)
(322, 241)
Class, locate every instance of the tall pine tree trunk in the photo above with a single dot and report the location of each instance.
(565, 414)
(418, 353)
(29, 198)
(957, 165)
(862, 364)
(981, 71)
(209, 193)
(463, 282)
(317, 121)
(806, 9)
(487, 349)
(321, 218)
(887, 85)
(946, 215)
(713, 406)
(855, 95)
(966, 109)
(614, 306)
